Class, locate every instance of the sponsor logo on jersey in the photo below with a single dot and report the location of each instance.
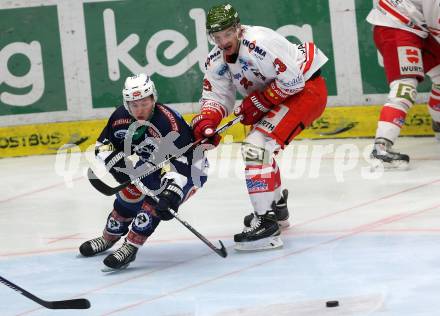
(299, 80)
(212, 57)
(120, 134)
(395, 3)
(245, 64)
(406, 91)
(267, 125)
(399, 121)
(279, 66)
(222, 70)
(256, 185)
(207, 86)
(254, 48)
(293, 91)
(302, 48)
(410, 61)
(246, 83)
(134, 191)
(122, 121)
(236, 76)
(272, 119)
(258, 74)
(153, 132)
(170, 118)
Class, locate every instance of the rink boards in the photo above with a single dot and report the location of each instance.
(336, 122)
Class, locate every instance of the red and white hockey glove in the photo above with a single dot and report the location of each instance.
(205, 123)
(255, 106)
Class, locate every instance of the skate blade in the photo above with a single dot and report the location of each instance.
(268, 243)
(400, 165)
(108, 269)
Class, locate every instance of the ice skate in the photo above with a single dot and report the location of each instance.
(95, 246)
(121, 258)
(280, 209)
(383, 155)
(263, 233)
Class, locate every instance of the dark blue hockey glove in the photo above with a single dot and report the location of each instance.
(169, 198)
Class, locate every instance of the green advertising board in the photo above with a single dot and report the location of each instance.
(67, 60)
(167, 40)
(31, 68)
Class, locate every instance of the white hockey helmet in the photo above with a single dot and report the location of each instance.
(138, 87)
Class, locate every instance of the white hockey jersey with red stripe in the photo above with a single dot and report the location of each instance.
(264, 56)
(421, 17)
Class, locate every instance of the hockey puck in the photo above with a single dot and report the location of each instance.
(332, 304)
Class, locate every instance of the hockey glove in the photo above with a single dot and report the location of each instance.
(204, 125)
(169, 198)
(253, 108)
(112, 158)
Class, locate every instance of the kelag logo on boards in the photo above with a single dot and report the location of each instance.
(31, 71)
(168, 41)
(100, 49)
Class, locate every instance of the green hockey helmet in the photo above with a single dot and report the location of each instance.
(220, 17)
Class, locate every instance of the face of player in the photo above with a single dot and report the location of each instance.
(142, 109)
(228, 40)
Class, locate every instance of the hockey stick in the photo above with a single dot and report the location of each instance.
(108, 190)
(79, 303)
(220, 251)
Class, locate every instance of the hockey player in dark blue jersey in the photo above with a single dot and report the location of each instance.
(152, 131)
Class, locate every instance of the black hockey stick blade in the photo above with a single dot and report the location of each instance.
(102, 187)
(222, 251)
(79, 303)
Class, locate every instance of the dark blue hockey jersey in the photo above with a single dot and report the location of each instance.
(165, 134)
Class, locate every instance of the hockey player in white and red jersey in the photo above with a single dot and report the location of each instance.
(407, 34)
(283, 94)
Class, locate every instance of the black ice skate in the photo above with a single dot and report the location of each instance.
(280, 209)
(382, 154)
(95, 246)
(121, 258)
(436, 129)
(263, 233)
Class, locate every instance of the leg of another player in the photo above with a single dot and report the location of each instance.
(263, 183)
(404, 68)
